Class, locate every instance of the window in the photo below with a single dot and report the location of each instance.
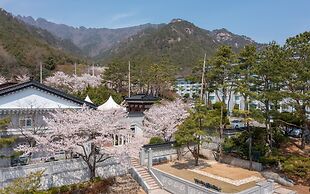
(211, 98)
(237, 98)
(118, 140)
(25, 122)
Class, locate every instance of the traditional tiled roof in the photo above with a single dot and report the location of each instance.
(141, 98)
(16, 87)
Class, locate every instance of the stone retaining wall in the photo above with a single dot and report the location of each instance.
(63, 172)
(241, 163)
(178, 185)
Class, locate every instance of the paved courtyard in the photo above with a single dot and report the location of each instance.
(231, 179)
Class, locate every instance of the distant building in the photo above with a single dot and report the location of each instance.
(234, 100)
(186, 88)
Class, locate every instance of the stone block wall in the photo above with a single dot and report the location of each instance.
(63, 172)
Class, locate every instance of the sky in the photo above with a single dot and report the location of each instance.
(262, 20)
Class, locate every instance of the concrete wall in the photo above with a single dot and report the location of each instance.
(158, 151)
(62, 172)
(170, 152)
(178, 185)
(241, 163)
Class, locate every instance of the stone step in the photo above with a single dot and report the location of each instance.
(154, 188)
(145, 175)
(143, 172)
(152, 184)
(140, 168)
(147, 178)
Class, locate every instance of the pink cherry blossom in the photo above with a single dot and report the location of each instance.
(163, 119)
(22, 78)
(88, 133)
(2, 80)
(72, 83)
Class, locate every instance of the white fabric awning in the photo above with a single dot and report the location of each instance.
(109, 104)
(87, 99)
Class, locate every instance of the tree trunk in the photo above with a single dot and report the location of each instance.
(250, 147)
(221, 135)
(196, 151)
(93, 162)
(268, 128)
(303, 137)
(92, 172)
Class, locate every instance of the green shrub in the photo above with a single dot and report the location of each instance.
(97, 179)
(64, 188)
(156, 140)
(228, 145)
(53, 190)
(272, 159)
(297, 166)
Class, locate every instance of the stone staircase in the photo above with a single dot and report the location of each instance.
(154, 187)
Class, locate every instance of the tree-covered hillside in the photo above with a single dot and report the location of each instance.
(180, 41)
(22, 48)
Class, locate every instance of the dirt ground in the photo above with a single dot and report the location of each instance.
(293, 147)
(300, 189)
(231, 172)
(180, 169)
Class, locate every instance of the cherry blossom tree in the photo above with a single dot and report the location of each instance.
(2, 80)
(163, 119)
(22, 78)
(73, 83)
(88, 133)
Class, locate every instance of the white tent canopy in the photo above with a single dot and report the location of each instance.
(87, 99)
(109, 104)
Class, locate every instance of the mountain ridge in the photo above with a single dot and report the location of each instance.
(180, 41)
(91, 41)
(23, 47)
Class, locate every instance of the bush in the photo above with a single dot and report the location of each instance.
(29, 184)
(156, 140)
(297, 166)
(272, 159)
(53, 190)
(228, 145)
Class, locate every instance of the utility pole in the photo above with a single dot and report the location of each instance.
(129, 79)
(203, 77)
(74, 68)
(93, 70)
(41, 73)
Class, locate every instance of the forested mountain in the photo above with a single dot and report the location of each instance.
(23, 47)
(180, 42)
(92, 41)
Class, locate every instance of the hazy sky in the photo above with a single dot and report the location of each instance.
(262, 20)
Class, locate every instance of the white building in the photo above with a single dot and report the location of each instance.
(187, 88)
(233, 99)
(26, 104)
